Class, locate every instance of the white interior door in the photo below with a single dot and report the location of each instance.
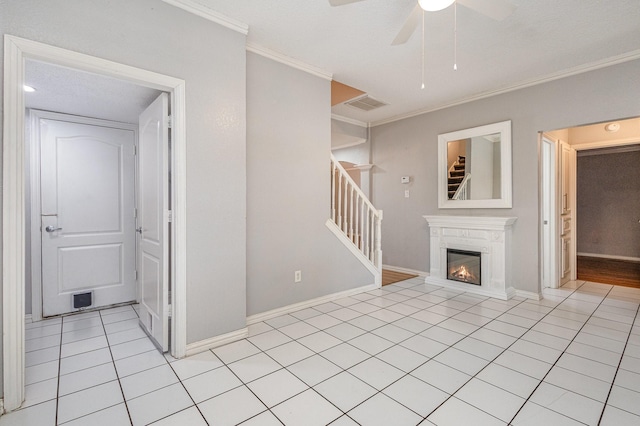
(87, 206)
(153, 220)
(548, 216)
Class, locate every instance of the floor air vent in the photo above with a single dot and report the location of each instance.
(366, 103)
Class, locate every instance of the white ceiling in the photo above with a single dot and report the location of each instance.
(542, 39)
(81, 93)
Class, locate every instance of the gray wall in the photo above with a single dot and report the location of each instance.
(357, 154)
(338, 126)
(608, 202)
(155, 36)
(288, 191)
(409, 147)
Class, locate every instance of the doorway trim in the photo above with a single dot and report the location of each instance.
(548, 202)
(16, 51)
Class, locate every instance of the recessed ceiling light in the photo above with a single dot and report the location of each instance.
(28, 89)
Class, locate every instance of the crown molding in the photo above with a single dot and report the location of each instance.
(287, 60)
(592, 66)
(210, 14)
(349, 120)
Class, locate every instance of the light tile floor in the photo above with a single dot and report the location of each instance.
(407, 354)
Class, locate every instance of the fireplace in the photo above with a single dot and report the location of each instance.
(464, 266)
(487, 238)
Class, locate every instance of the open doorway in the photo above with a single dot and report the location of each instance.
(17, 51)
(597, 192)
(82, 138)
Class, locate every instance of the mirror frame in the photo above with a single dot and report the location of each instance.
(505, 200)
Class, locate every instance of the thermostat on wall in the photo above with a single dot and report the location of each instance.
(405, 179)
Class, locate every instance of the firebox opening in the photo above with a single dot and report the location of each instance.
(464, 266)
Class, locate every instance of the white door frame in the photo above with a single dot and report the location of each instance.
(548, 206)
(16, 51)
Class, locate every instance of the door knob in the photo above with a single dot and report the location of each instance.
(139, 230)
(52, 229)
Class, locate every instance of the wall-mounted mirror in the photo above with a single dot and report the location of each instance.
(474, 167)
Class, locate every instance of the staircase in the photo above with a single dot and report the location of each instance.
(456, 176)
(355, 221)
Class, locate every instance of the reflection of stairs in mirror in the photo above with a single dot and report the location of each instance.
(456, 175)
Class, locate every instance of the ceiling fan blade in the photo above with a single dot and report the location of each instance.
(342, 2)
(494, 9)
(409, 26)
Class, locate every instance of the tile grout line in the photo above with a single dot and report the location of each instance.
(186, 391)
(452, 395)
(245, 384)
(345, 342)
(394, 344)
(124, 399)
(59, 367)
(555, 308)
(105, 334)
(618, 367)
(415, 334)
(560, 356)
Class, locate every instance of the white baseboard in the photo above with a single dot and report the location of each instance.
(405, 270)
(253, 319)
(528, 294)
(214, 342)
(606, 256)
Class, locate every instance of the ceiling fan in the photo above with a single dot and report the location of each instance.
(494, 9)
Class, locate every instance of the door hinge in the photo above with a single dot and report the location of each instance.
(169, 216)
(169, 121)
(135, 274)
(135, 213)
(135, 150)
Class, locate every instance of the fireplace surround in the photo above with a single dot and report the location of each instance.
(488, 237)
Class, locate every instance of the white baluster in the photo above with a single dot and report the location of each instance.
(365, 225)
(378, 260)
(351, 213)
(345, 228)
(371, 237)
(362, 211)
(357, 215)
(339, 221)
(333, 191)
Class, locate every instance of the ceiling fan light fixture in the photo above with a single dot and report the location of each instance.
(434, 5)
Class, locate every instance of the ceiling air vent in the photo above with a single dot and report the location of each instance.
(365, 103)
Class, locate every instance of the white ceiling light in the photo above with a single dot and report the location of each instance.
(28, 89)
(612, 127)
(435, 5)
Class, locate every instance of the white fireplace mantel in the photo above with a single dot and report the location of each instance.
(490, 236)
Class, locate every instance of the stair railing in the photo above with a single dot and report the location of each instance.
(354, 214)
(462, 193)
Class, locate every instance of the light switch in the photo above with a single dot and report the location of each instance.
(405, 179)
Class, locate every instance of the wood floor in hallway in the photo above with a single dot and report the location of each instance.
(609, 271)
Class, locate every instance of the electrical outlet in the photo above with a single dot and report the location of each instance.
(297, 276)
(406, 193)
